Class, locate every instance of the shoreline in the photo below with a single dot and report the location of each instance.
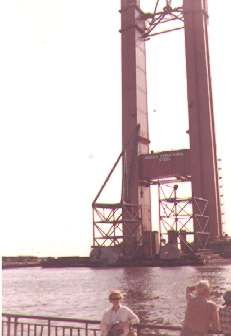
(55, 263)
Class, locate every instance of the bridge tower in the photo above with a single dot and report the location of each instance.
(135, 132)
(196, 165)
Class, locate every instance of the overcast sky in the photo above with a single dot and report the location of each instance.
(60, 102)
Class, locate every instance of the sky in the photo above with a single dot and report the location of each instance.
(60, 103)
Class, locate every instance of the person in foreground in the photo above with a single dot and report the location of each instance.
(225, 314)
(118, 319)
(201, 313)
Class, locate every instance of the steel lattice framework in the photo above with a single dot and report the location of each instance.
(108, 222)
(178, 214)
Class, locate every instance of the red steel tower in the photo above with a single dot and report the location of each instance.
(197, 165)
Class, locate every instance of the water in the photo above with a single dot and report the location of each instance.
(155, 294)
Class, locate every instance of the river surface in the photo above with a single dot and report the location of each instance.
(155, 294)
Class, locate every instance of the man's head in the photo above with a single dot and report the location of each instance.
(115, 296)
(227, 297)
(203, 288)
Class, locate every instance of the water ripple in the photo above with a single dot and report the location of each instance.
(153, 293)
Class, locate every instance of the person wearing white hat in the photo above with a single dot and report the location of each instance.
(117, 320)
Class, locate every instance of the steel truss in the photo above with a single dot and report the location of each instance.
(167, 14)
(118, 224)
(185, 216)
(108, 222)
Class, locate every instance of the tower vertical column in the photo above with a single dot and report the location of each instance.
(135, 138)
(201, 123)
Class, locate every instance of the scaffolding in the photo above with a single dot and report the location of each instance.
(108, 229)
(182, 220)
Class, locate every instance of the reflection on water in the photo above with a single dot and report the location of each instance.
(155, 294)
